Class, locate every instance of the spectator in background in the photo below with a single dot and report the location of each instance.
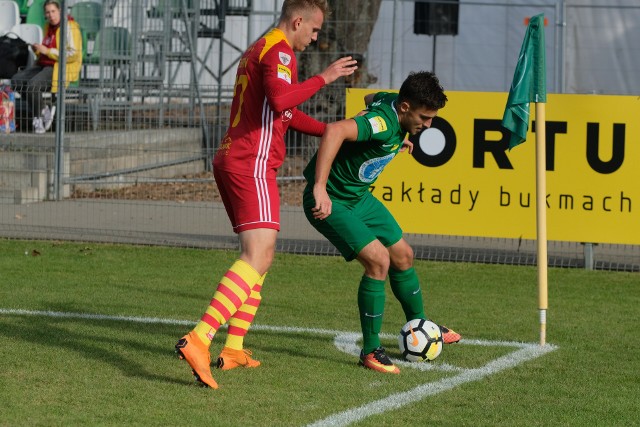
(42, 76)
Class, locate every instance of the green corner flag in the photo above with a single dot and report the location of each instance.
(529, 82)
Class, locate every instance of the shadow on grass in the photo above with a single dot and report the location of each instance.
(59, 333)
(302, 347)
(123, 345)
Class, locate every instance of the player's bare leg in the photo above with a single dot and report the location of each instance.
(257, 249)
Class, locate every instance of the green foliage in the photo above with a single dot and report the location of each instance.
(79, 371)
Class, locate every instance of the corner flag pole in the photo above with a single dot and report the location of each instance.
(530, 85)
(541, 217)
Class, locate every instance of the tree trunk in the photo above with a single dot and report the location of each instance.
(346, 31)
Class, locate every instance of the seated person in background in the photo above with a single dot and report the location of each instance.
(42, 76)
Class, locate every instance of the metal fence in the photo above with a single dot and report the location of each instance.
(127, 158)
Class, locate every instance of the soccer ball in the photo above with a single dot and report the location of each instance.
(420, 340)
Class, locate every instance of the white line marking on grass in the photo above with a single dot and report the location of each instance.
(89, 316)
(394, 401)
(348, 343)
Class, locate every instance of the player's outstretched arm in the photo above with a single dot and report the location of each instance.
(306, 124)
(344, 66)
(283, 95)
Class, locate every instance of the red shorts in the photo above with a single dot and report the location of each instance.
(250, 202)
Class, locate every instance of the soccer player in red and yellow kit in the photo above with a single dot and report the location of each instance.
(265, 100)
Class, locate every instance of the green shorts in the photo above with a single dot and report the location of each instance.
(352, 227)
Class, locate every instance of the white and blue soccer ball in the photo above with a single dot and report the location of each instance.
(420, 340)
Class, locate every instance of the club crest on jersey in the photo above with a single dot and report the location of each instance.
(284, 73)
(370, 169)
(287, 115)
(285, 58)
(377, 124)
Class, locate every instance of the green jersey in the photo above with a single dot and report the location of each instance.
(359, 163)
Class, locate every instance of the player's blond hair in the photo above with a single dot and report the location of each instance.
(290, 7)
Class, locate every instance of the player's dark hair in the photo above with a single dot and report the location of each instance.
(290, 7)
(423, 89)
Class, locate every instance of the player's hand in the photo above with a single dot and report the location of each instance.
(407, 146)
(39, 48)
(342, 67)
(322, 208)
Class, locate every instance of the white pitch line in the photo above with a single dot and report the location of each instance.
(89, 316)
(347, 342)
(394, 401)
(155, 320)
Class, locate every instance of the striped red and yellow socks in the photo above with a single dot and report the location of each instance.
(232, 292)
(240, 322)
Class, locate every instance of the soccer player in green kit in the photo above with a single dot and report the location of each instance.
(338, 203)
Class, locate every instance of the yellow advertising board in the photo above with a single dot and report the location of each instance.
(462, 180)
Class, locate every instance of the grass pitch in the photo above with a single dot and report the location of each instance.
(87, 334)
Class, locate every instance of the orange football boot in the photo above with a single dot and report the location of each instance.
(378, 361)
(230, 359)
(449, 336)
(192, 349)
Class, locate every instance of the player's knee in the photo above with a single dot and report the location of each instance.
(382, 267)
(401, 255)
(403, 261)
(377, 266)
(377, 272)
(260, 261)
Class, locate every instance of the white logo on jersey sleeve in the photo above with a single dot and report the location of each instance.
(284, 73)
(377, 124)
(285, 58)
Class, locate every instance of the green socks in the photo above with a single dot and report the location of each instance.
(371, 296)
(371, 305)
(406, 288)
